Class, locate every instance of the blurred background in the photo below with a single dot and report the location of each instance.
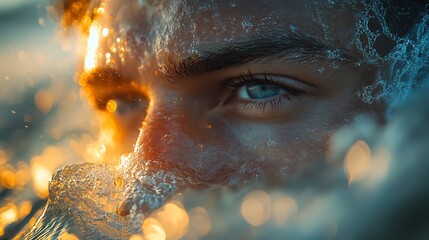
(44, 124)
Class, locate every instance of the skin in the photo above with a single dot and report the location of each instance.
(183, 91)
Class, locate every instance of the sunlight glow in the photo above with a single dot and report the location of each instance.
(8, 215)
(43, 166)
(170, 222)
(105, 32)
(25, 209)
(111, 106)
(153, 230)
(41, 177)
(92, 46)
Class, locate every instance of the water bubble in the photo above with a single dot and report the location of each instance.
(247, 25)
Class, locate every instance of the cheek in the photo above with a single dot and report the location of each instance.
(279, 148)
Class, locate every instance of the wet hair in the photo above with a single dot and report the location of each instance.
(401, 15)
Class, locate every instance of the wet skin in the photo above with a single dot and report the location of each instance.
(229, 93)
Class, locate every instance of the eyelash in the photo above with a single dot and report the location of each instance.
(234, 85)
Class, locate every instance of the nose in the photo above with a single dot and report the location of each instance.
(162, 137)
(163, 161)
(171, 141)
(189, 145)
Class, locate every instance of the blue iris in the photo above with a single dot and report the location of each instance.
(261, 91)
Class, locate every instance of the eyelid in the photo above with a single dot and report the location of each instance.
(285, 82)
(270, 108)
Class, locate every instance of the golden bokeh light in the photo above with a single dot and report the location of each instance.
(200, 222)
(170, 222)
(100, 10)
(8, 215)
(285, 209)
(256, 207)
(153, 230)
(44, 100)
(108, 58)
(136, 237)
(41, 177)
(43, 166)
(7, 179)
(356, 161)
(111, 106)
(24, 209)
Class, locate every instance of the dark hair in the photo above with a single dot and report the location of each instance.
(401, 15)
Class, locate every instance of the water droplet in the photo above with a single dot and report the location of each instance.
(119, 182)
(247, 25)
(41, 22)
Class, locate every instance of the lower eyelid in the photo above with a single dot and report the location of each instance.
(260, 106)
(267, 109)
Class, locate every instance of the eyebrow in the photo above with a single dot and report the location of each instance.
(263, 48)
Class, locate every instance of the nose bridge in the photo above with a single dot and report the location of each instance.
(161, 136)
(172, 138)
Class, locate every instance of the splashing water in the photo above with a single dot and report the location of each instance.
(407, 61)
(115, 201)
(117, 198)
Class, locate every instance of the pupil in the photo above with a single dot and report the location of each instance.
(259, 91)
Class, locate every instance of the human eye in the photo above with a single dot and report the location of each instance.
(122, 104)
(262, 95)
(113, 94)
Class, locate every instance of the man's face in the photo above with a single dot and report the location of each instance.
(228, 92)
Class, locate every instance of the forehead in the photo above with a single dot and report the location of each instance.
(187, 25)
(148, 34)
